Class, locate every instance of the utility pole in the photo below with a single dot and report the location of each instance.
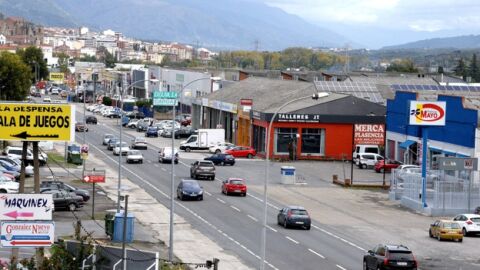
(36, 187)
(124, 238)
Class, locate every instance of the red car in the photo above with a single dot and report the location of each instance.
(234, 186)
(391, 164)
(241, 151)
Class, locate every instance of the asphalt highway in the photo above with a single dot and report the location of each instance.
(235, 223)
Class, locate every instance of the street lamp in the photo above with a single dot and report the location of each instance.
(172, 187)
(122, 90)
(315, 96)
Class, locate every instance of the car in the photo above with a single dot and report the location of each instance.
(364, 149)
(63, 93)
(167, 132)
(106, 138)
(184, 119)
(64, 200)
(136, 115)
(10, 166)
(470, 223)
(59, 185)
(37, 94)
(223, 159)
(165, 154)
(139, 143)
(189, 189)
(386, 257)
(81, 127)
(121, 148)
(144, 124)
(446, 229)
(294, 216)
(91, 120)
(134, 156)
(365, 160)
(14, 173)
(151, 132)
(242, 151)
(417, 172)
(47, 100)
(111, 143)
(203, 168)
(7, 186)
(381, 167)
(112, 113)
(132, 123)
(220, 147)
(55, 91)
(18, 164)
(234, 186)
(15, 152)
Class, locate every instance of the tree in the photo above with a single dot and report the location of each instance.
(404, 65)
(15, 77)
(440, 70)
(33, 57)
(106, 57)
(63, 61)
(88, 58)
(473, 70)
(461, 69)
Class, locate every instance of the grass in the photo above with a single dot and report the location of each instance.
(59, 159)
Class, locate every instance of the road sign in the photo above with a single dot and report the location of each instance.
(37, 122)
(165, 102)
(26, 206)
(27, 233)
(57, 76)
(165, 94)
(94, 176)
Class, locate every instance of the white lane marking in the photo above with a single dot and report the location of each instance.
(261, 200)
(235, 208)
(208, 193)
(343, 268)
(163, 169)
(252, 218)
(220, 200)
(156, 165)
(293, 240)
(184, 207)
(316, 253)
(339, 238)
(149, 161)
(272, 228)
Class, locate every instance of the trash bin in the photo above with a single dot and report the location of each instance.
(288, 175)
(118, 227)
(73, 154)
(109, 222)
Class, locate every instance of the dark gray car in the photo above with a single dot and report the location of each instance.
(294, 216)
(203, 168)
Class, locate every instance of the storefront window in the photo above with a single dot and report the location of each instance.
(313, 141)
(284, 136)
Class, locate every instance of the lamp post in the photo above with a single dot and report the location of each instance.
(267, 172)
(120, 139)
(172, 187)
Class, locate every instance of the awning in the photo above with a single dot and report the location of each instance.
(406, 144)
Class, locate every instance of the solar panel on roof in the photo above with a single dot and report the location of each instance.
(403, 87)
(456, 87)
(464, 88)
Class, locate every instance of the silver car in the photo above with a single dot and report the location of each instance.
(139, 143)
(134, 156)
(106, 138)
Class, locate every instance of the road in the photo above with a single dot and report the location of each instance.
(235, 223)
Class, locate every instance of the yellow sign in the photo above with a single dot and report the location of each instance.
(56, 76)
(37, 122)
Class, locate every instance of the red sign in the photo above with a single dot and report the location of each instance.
(372, 134)
(94, 178)
(246, 102)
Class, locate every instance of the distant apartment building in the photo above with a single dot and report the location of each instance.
(3, 40)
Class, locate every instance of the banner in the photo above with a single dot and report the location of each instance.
(372, 134)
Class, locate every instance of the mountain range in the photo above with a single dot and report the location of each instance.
(225, 24)
(458, 42)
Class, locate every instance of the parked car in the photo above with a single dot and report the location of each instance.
(16, 152)
(417, 171)
(134, 156)
(221, 147)
(189, 189)
(365, 149)
(365, 160)
(7, 186)
(294, 216)
(223, 159)
(132, 123)
(234, 186)
(470, 223)
(91, 120)
(81, 127)
(139, 143)
(106, 138)
(386, 257)
(15, 162)
(55, 91)
(380, 166)
(121, 148)
(167, 132)
(112, 113)
(446, 229)
(151, 132)
(63, 93)
(136, 115)
(64, 200)
(242, 151)
(47, 100)
(165, 155)
(58, 185)
(112, 143)
(204, 168)
(143, 125)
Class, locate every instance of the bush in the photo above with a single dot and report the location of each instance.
(107, 101)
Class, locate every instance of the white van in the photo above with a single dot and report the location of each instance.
(365, 148)
(165, 154)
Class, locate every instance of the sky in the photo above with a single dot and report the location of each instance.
(378, 23)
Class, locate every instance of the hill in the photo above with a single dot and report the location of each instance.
(459, 42)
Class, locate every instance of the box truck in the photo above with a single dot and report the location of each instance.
(203, 139)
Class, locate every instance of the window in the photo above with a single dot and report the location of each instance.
(283, 136)
(313, 141)
(259, 139)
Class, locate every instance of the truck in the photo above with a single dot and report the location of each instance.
(203, 139)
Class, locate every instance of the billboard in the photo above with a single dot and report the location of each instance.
(57, 76)
(373, 134)
(427, 113)
(27, 233)
(26, 206)
(37, 122)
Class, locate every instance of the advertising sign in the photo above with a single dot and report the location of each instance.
(369, 134)
(94, 176)
(165, 98)
(457, 164)
(426, 113)
(26, 206)
(27, 233)
(37, 122)
(56, 76)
